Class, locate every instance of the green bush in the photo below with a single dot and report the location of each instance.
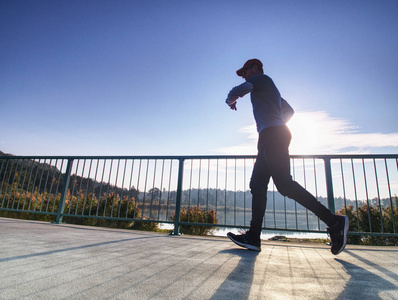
(145, 225)
(87, 210)
(197, 215)
(371, 219)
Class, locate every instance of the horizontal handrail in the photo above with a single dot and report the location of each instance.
(321, 156)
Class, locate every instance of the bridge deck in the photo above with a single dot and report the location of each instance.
(47, 261)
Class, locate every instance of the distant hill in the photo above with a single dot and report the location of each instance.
(7, 154)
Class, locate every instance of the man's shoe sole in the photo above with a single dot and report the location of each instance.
(346, 226)
(247, 246)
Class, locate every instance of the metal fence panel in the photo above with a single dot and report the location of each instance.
(192, 189)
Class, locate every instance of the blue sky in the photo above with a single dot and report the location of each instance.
(151, 77)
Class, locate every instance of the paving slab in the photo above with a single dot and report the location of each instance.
(41, 260)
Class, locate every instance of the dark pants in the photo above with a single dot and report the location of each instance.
(273, 161)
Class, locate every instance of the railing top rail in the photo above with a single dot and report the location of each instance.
(183, 157)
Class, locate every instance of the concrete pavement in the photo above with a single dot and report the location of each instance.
(40, 260)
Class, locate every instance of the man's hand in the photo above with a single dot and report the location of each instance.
(233, 106)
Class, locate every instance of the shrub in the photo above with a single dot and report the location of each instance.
(145, 225)
(197, 215)
(371, 219)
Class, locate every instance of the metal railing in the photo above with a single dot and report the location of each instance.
(200, 190)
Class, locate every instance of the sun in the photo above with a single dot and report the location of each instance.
(313, 133)
(316, 133)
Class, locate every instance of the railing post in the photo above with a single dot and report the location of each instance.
(329, 184)
(65, 187)
(178, 197)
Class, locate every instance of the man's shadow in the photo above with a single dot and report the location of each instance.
(365, 284)
(238, 283)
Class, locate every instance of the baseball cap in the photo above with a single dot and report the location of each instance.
(250, 62)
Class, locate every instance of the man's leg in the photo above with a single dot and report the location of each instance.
(258, 187)
(276, 152)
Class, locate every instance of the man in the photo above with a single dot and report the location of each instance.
(271, 113)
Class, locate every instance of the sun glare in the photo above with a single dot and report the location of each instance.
(315, 132)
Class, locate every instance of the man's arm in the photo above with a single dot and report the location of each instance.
(237, 92)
